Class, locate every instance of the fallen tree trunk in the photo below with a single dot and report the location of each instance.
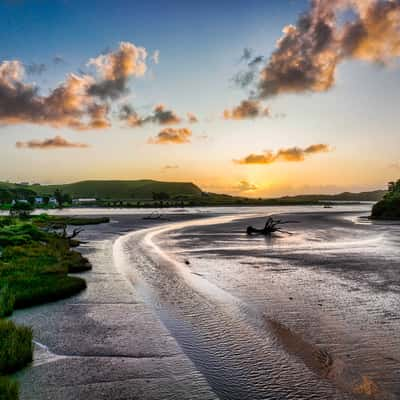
(271, 226)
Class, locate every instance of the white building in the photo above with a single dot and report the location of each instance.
(83, 201)
(39, 200)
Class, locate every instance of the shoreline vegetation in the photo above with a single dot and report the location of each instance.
(150, 194)
(389, 207)
(36, 258)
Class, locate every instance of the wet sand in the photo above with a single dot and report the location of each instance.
(203, 311)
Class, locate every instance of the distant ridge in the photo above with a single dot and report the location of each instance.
(145, 188)
(374, 195)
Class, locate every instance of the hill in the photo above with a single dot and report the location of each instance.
(375, 195)
(121, 190)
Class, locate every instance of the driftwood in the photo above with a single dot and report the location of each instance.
(60, 229)
(271, 226)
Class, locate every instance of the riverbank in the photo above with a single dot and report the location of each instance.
(35, 263)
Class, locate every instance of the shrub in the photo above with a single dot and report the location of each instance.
(21, 210)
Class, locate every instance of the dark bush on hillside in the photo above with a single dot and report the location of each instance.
(389, 206)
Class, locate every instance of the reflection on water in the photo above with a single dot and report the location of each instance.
(308, 316)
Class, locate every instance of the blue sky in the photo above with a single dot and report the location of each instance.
(200, 46)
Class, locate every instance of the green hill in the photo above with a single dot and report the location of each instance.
(121, 190)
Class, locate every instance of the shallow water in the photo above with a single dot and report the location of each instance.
(313, 315)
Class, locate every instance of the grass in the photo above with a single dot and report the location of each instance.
(15, 347)
(7, 301)
(34, 267)
(8, 389)
(45, 219)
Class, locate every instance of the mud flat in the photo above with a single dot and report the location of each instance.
(106, 343)
(194, 308)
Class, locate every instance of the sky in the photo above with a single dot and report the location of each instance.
(258, 98)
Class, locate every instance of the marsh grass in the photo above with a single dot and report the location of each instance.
(74, 221)
(38, 272)
(15, 347)
(34, 268)
(7, 301)
(8, 389)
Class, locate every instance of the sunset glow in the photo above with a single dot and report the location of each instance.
(234, 106)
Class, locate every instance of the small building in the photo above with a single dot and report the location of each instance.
(53, 201)
(39, 200)
(19, 201)
(84, 201)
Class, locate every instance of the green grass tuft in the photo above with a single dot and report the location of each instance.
(16, 347)
(7, 301)
(8, 389)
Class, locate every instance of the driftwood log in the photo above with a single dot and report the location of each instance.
(271, 226)
(60, 229)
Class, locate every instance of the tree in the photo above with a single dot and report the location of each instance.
(161, 196)
(5, 196)
(62, 198)
(21, 209)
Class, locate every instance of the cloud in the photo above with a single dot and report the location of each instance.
(160, 115)
(247, 54)
(192, 119)
(248, 109)
(171, 167)
(115, 69)
(308, 53)
(245, 186)
(164, 117)
(172, 136)
(35, 69)
(156, 56)
(247, 76)
(68, 105)
(80, 102)
(293, 154)
(395, 165)
(54, 143)
(58, 60)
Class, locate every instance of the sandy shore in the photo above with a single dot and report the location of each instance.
(221, 315)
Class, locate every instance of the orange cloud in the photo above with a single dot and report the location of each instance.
(293, 154)
(53, 143)
(309, 52)
(172, 136)
(245, 186)
(192, 119)
(78, 103)
(116, 68)
(247, 109)
(68, 105)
